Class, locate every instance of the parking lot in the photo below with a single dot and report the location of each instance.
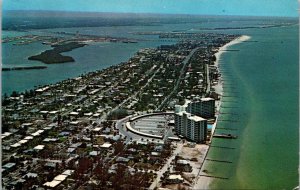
(155, 125)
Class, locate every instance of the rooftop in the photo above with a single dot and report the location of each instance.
(206, 99)
(196, 118)
(106, 145)
(39, 147)
(175, 177)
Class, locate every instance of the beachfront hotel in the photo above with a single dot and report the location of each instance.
(191, 118)
(191, 126)
(202, 107)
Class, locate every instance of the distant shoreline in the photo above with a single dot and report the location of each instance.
(24, 68)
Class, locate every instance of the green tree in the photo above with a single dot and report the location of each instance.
(118, 114)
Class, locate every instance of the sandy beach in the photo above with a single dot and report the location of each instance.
(233, 42)
(219, 86)
(202, 181)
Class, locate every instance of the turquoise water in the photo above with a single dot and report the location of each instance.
(265, 76)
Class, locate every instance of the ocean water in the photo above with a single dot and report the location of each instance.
(261, 78)
(263, 82)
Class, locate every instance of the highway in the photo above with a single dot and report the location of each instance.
(181, 76)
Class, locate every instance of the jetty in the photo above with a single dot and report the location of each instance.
(225, 147)
(225, 136)
(214, 160)
(230, 129)
(217, 177)
(229, 120)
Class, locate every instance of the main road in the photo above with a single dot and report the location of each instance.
(181, 76)
(120, 125)
(104, 116)
(166, 166)
(207, 79)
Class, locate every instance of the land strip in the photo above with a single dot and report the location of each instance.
(69, 127)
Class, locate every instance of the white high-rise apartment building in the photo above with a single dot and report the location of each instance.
(191, 126)
(190, 119)
(205, 107)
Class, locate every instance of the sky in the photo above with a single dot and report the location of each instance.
(287, 8)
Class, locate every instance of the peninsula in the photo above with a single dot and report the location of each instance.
(115, 127)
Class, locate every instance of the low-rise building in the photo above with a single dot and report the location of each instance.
(175, 179)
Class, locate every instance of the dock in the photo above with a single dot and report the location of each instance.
(229, 101)
(225, 136)
(230, 129)
(228, 120)
(214, 177)
(229, 106)
(225, 147)
(230, 50)
(228, 113)
(214, 160)
(231, 96)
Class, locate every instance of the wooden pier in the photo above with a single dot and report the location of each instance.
(228, 113)
(229, 86)
(229, 106)
(216, 177)
(230, 96)
(214, 160)
(230, 50)
(226, 87)
(230, 101)
(225, 147)
(229, 129)
(228, 120)
(225, 136)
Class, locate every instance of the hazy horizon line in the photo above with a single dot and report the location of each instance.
(150, 13)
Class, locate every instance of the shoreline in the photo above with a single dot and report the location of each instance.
(219, 86)
(23, 68)
(205, 182)
(89, 101)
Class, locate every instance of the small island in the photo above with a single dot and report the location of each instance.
(54, 55)
(64, 43)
